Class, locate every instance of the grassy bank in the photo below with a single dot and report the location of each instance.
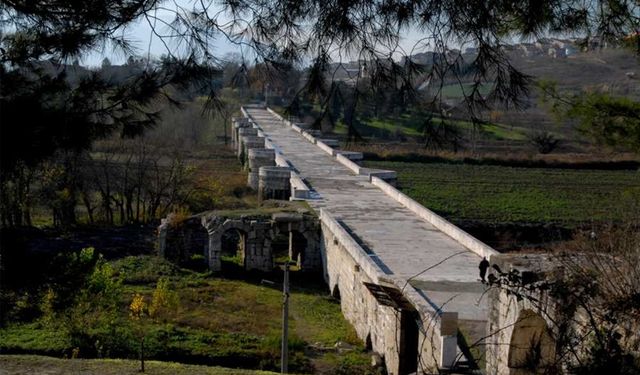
(33, 364)
(230, 322)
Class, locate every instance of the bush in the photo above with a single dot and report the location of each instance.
(545, 142)
(196, 262)
(165, 301)
(144, 269)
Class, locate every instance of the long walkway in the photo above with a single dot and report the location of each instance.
(405, 244)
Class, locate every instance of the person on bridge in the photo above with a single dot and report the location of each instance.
(484, 265)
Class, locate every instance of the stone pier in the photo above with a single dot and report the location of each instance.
(249, 142)
(238, 123)
(259, 157)
(274, 183)
(242, 133)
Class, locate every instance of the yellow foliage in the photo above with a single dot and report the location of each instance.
(138, 307)
(47, 306)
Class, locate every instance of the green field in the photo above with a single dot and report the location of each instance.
(412, 126)
(497, 194)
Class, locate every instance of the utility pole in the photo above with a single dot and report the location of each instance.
(285, 321)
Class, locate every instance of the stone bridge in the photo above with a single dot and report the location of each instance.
(407, 279)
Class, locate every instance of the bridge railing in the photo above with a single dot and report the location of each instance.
(441, 327)
(359, 255)
(462, 237)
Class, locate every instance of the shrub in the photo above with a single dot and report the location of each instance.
(545, 142)
(144, 269)
(164, 302)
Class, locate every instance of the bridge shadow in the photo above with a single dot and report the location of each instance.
(372, 255)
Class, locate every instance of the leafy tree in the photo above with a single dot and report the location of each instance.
(43, 112)
(138, 309)
(164, 303)
(611, 121)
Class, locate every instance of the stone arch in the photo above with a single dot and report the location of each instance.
(217, 233)
(279, 244)
(335, 292)
(233, 244)
(368, 343)
(298, 245)
(531, 348)
(185, 243)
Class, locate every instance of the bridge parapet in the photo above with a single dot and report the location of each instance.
(387, 312)
(436, 220)
(345, 158)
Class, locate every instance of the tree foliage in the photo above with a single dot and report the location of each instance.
(611, 121)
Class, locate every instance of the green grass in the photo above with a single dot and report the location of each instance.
(144, 269)
(217, 321)
(412, 126)
(34, 338)
(267, 208)
(318, 318)
(31, 364)
(496, 194)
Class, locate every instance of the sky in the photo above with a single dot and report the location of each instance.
(148, 44)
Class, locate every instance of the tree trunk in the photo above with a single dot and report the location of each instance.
(142, 354)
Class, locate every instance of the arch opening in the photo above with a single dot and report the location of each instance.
(197, 248)
(232, 248)
(531, 348)
(335, 293)
(297, 247)
(408, 342)
(280, 248)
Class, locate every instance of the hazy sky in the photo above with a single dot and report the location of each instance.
(145, 42)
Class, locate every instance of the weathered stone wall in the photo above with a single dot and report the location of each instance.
(346, 270)
(375, 324)
(515, 323)
(259, 157)
(178, 241)
(274, 183)
(257, 237)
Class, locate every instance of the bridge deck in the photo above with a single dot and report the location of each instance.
(405, 244)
